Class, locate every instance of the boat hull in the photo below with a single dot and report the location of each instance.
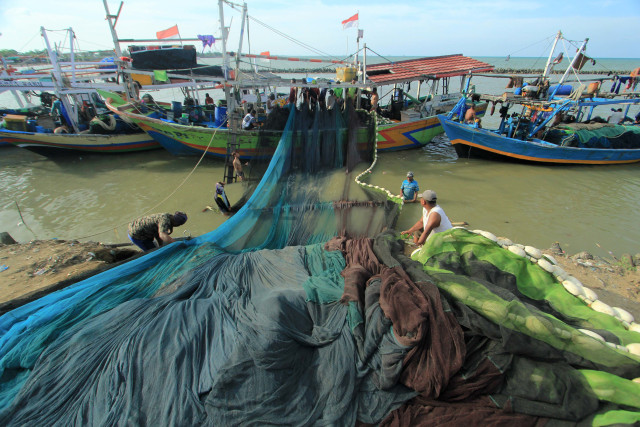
(52, 143)
(183, 140)
(473, 142)
(414, 133)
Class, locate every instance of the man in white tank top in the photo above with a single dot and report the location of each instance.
(433, 220)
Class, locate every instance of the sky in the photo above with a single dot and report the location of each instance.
(313, 27)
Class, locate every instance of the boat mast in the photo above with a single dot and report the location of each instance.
(126, 77)
(72, 36)
(553, 49)
(225, 63)
(566, 73)
(58, 82)
(582, 49)
(244, 19)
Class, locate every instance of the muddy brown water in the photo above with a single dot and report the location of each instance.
(93, 197)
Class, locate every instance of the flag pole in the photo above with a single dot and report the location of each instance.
(357, 41)
(357, 58)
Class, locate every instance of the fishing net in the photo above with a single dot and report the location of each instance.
(303, 309)
(595, 136)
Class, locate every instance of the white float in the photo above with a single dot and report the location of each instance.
(533, 252)
(592, 334)
(602, 307)
(623, 314)
(518, 251)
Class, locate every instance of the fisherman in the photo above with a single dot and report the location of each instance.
(143, 231)
(352, 92)
(249, 121)
(270, 104)
(237, 166)
(331, 100)
(208, 100)
(470, 115)
(221, 198)
(56, 111)
(374, 99)
(293, 93)
(433, 220)
(409, 189)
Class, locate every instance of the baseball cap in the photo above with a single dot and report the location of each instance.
(429, 196)
(410, 174)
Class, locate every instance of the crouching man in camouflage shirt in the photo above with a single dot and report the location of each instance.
(143, 231)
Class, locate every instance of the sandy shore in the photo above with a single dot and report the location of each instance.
(31, 270)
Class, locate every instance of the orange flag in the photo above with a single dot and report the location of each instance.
(169, 32)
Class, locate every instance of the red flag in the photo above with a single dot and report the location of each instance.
(267, 53)
(351, 22)
(169, 32)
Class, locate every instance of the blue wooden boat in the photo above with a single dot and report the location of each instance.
(470, 141)
(550, 128)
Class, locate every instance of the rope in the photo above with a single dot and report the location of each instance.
(576, 93)
(163, 200)
(23, 221)
(390, 196)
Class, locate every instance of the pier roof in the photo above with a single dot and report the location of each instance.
(433, 67)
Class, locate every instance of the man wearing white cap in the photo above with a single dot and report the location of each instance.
(409, 189)
(433, 220)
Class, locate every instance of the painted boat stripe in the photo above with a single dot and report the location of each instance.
(538, 159)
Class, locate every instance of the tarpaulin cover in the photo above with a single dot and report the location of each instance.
(297, 311)
(164, 59)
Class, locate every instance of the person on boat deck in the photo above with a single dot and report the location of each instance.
(87, 112)
(409, 189)
(221, 198)
(322, 98)
(433, 220)
(143, 231)
(293, 93)
(331, 100)
(617, 117)
(249, 121)
(270, 104)
(352, 92)
(208, 100)
(374, 99)
(56, 110)
(470, 116)
(237, 166)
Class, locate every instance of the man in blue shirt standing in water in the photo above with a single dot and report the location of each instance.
(409, 189)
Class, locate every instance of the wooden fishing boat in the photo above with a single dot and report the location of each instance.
(186, 139)
(213, 139)
(469, 141)
(407, 122)
(59, 144)
(550, 128)
(72, 116)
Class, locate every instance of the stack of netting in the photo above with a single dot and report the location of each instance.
(302, 310)
(596, 135)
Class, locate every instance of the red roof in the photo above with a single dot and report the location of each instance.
(434, 67)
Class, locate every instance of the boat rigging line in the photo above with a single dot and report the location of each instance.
(280, 33)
